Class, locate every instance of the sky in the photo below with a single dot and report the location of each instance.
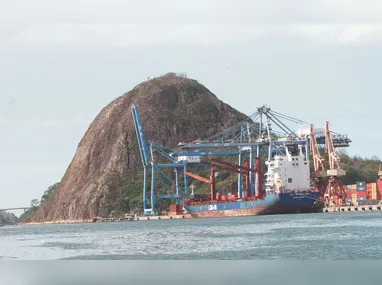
(61, 62)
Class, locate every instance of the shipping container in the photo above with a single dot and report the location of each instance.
(362, 202)
(361, 194)
(361, 188)
(361, 184)
(361, 198)
(372, 202)
(349, 187)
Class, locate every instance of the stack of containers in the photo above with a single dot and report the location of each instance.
(372, 192)
(351, 191)
(348, 193)
(361, 191)
(176, 210)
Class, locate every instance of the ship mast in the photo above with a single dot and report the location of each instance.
(334, 195)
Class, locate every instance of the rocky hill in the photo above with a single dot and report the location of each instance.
(171, 108)
(8, 219)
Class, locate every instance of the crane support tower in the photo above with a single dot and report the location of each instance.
(318, 161)
(335, 194)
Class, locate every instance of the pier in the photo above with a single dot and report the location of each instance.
(362, 208)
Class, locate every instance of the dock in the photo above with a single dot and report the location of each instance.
(155, 218)
(143, 218)
(362, 208)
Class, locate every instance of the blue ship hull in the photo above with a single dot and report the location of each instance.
(284, 203)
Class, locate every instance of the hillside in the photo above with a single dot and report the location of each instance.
(8, 219)
(105, 173)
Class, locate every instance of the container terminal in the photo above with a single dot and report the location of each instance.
(285, 186)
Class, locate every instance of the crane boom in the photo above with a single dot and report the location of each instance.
(334, 159)
(142, 144)
(318, 160)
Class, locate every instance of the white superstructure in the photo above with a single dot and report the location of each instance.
(288, 173)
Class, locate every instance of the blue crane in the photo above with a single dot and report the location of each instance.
(263, 133)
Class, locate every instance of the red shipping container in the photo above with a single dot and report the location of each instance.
(361, 194)
(173, 208)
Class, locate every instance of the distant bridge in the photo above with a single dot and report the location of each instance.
(19, 208)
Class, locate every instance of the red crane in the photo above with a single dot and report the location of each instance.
(205, 180)
(318, 161)
(334, 195)
(231, 167)
(244, 170)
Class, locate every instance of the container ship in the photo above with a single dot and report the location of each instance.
(286, 190)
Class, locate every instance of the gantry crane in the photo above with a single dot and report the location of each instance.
(247, 139)
(318, 161)
(334, 195)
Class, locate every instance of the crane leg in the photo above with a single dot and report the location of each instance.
(335, 195)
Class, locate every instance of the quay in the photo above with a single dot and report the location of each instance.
(362, 208)
(142, 218)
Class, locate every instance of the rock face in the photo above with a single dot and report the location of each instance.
(172, 108)
(8, 219)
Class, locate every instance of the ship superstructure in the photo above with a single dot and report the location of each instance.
(289, 172)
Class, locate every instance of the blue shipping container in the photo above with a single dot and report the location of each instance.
(361, 189)
(372, 202)
(361, 198)
(361, 184)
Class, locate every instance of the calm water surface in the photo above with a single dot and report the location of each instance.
(303, 236)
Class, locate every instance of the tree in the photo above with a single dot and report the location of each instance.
(35, 203)
(48, 193)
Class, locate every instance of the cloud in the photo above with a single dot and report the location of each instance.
(125, 35)
(95, 23)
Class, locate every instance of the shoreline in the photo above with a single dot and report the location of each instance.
(60, 222)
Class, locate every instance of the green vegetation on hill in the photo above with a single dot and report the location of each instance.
(36, 204)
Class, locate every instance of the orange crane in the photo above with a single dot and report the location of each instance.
(210, 181)
(318, 161)
(334, 195)
(231, 167)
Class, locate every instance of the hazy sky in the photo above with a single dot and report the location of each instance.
(61, 62)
